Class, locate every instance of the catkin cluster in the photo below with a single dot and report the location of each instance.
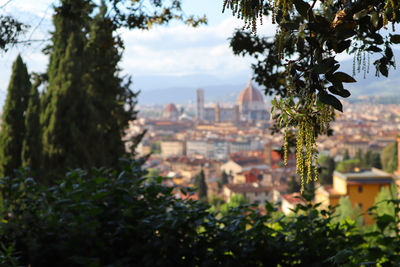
(306, 147)
(324, 118)
(361, 62)
(306, 152)
(247, 10)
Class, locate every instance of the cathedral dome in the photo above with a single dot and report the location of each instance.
(171, 112)
(170, 108)
(250, 95)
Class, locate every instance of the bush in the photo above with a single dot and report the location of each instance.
(110, 218)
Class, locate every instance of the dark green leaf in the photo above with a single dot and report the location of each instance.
(313, 42)
(360, 15)
(384, 70)
(374, 48)
(290, 26)
(325, 66)
(336, 91)
(330, 100)
(375, 19)
(388, 52)
(302, 7)
(343, 46)
(395, 38)
(343, 77)
(318, 27)
(383, 221)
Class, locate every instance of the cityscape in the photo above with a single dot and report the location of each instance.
(236, 140)
(199, 133)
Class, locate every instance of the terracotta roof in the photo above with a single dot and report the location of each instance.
(247, 188)
(170, 108)
(294, 198)
(250, 94)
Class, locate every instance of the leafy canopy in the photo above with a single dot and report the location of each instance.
(300, 63)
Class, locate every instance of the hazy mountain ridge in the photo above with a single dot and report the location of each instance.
(182, 89)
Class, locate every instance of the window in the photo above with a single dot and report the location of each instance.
(360, 189)
(360, 205)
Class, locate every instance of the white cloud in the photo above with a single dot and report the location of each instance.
(184, 50)
(173, 51)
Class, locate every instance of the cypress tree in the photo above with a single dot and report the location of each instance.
(65, 137)
(346, 155)
(65, 106)
(107, 92)
(13, 126)
(31, 146)
(200, 183)
(224, 178)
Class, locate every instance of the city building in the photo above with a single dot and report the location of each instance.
(172, 148)
(252, 192)
(361, 186)
(200, 104)
(171, 112)
(252, 105)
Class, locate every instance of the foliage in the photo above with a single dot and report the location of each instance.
(152, 174)
(300, 64)
(111, 99)
(367, 160)
(237, 200)
(348, 165)
(327, 167)
(345, 211)
(293, 185)
(143, 14)
(224, 178)
(383, 200)
(389, 158)
(13, 118)
(200, 184)
(346, 155)
(31, 146)
(10, 30)
(109, 218)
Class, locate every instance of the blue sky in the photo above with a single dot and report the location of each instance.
(163, 57)
(174, 51)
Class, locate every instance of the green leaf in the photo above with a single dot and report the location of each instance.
(343, 77)
(343, 46)
(360, 15)
(325, 66)
(339, 92)
(330, 100)
(313, 42)
(383, 221)
(302, 7)
(395, 38)
(375, 19)
(290, 26)
(388, 52)
(374, 48)
(384, 70)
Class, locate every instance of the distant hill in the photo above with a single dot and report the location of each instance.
(184, 95)
(182, 89)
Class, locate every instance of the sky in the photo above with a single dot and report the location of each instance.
(165, 57)
(192, 57)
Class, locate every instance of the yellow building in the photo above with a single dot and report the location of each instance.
(361, 186)
(172, 148)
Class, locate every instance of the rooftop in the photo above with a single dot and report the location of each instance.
(365, 175)
(248, 188)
